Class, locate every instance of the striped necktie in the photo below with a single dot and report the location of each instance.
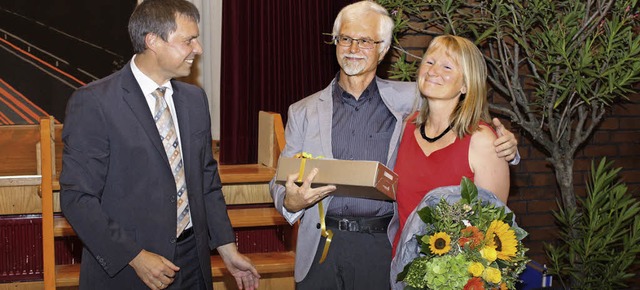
(166, 128)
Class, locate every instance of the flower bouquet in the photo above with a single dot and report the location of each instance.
(460, 237)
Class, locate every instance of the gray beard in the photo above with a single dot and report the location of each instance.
(351, 68)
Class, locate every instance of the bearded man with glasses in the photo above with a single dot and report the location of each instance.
(354, 118)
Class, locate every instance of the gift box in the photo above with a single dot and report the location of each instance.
(353, 178)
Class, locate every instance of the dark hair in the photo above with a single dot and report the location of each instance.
(158, 17)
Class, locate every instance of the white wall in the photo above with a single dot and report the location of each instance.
(209, 63)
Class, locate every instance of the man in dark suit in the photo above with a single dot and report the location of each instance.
(139, 183)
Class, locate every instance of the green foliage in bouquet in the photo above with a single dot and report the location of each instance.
(469, 244)
(600, 240)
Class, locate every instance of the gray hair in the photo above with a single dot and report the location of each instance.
(353, 12)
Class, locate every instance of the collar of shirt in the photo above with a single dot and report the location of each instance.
(343, 96)
(147, 85)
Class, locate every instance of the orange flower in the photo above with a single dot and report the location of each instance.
(463, 240)
(470, 234)
(474, 283)
(503, 286)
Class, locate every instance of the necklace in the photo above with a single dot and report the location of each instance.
(431, 140)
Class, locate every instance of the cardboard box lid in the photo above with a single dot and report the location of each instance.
(355, 178)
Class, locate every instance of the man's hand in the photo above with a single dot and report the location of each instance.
(240, 267)
(154, 270)
(299, 197)
(506, 144)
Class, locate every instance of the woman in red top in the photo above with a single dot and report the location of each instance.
(449, 137)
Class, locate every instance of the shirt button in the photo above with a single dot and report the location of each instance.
(172, 240)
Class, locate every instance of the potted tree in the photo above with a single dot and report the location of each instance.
(558, 64)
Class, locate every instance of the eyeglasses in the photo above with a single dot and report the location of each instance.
(363, 43)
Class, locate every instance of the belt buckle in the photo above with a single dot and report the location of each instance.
(347, 225)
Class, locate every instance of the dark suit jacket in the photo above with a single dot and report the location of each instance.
(118, 192)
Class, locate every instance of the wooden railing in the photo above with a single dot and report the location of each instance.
(245, 184)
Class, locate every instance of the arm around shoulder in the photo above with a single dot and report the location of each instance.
(490, 171)
(506, 145)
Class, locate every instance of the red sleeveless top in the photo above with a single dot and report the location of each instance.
(418, 174)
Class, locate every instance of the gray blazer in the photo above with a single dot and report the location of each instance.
(309, 130)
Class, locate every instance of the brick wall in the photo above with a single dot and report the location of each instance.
(534, 190)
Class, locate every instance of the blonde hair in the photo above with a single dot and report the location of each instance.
(473, 106)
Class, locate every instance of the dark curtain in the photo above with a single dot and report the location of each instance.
(274, 53)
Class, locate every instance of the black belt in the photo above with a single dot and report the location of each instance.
(376, 224)
(185, 234)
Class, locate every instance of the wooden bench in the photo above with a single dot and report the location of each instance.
(242, 184)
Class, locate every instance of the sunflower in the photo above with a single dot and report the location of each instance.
(440, 243)
(503, 238)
